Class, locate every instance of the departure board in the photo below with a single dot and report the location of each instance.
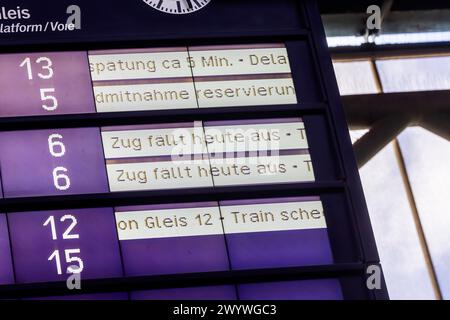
(148, 155)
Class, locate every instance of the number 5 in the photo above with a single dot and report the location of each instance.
(70, 259)
(48, 97)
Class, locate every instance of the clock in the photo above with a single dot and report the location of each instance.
(177, 6)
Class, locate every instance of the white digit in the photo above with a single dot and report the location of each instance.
(70, 259)
(66, 234)
(51, 220)
(58, 176)
(26, 62)
(47, 67)
(55, 255)
(46, 97)
(53, 143)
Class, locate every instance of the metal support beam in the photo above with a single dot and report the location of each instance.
(363, 111)
(382, 133)
(387, 115)
(438, 123)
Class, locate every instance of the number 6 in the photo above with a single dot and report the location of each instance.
(57, 176)
(53, 143)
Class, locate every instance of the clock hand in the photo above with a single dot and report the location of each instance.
(189, 4)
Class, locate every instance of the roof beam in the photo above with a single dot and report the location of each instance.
(363, 111)
(380, 135)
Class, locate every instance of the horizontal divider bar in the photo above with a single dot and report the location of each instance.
(169, 196)
(158, 116)
(231, 277)
(258, 36)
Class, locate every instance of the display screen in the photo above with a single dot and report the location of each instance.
(199, 293)
(322, 289)
(48, 245)
(43, 246)
(6, 268)
(93, 296)
(45, 83)
(145, 79)
(52, 162)
(164, 239)
(120, 231)
(276, 233)
(172, 239)
(191, 77)
(148, 151)
(154, 157)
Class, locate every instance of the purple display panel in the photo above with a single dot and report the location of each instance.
(324, 289)
(200, 293)
(171, 239)
(6, 269)
(52, 162)
(45, 84)
(1, 188)
(93, 296)
(51, 245)
(271, 233)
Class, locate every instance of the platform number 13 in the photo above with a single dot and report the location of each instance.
(42, 67)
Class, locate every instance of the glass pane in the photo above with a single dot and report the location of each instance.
(412, 37)
(344, 41)
(355, 77)
(398, 244)
(355, 135)
(415, 74)
(426, 156)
